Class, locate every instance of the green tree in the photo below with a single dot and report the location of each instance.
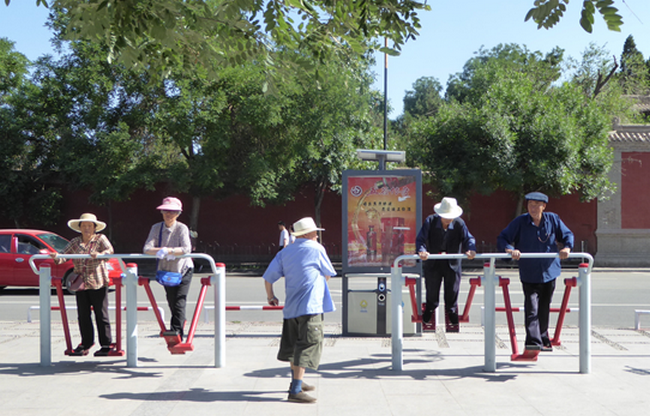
(512, 130)
(25, 157)
(162, 35)
(424, 100)
(93, 116)
(634, 76)
(480, 72)
(333, 118)
(13, 68)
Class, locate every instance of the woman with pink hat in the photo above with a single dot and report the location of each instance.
(166, 240)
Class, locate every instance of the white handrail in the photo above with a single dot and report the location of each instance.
(217, 279)
(584, 281)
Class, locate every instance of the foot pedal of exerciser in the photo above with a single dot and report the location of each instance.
(528, 355)
(171, 337)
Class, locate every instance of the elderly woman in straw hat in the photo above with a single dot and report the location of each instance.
(95, 277)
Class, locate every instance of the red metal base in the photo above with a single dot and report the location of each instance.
(528, 355)
(115, 352)
(180, 348)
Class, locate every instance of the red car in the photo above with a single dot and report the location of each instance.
(17, 246)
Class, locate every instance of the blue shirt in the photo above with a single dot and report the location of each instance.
(304, 265)
(523, 235)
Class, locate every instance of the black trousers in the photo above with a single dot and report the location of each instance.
(98, 299)
(434, 275)
(537, 308)
(177, 299)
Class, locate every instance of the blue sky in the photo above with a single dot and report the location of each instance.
(451, 33)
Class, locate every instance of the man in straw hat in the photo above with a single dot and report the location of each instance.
(537, 232)
(444, 232)
(306, 270)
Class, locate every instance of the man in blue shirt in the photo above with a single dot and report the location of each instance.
(306, 270)
(537, 232)
(444, 232)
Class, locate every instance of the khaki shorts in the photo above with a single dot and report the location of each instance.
(302, 341)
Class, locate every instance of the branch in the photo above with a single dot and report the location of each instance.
(600, 83)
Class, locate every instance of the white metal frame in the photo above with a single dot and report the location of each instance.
(490, 284)
(217, 279)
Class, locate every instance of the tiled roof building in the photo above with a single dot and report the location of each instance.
(623, 229)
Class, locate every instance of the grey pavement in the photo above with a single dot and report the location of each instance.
(442, 374)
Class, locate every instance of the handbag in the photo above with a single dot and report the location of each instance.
(75, 282)
(168, 278)
(165, 278)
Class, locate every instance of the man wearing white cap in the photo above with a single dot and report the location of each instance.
(444, 232)
(537, 232)
(306, 270)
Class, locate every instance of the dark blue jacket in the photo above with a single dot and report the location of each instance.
(431, 236)
(523, 235)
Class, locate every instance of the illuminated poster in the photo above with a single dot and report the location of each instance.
(382, 218)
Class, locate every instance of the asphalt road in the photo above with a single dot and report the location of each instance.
(616, 293)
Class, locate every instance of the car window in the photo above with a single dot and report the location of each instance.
(55, 241)
(28, 245)
(5, 243)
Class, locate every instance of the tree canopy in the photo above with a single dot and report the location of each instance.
(161, 35)
(507, 124)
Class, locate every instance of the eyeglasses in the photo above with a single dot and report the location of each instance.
(544, 240)
(164, 211)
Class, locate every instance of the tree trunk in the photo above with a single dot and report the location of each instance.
(194, 220)
(318, 201)
(109, 221)
(520, 205)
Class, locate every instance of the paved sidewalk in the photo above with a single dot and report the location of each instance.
(443, 374)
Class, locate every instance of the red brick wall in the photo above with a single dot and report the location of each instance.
(235, 221)
(635, 190)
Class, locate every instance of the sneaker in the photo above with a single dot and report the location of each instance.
(427, 315)
(80, 351)
(103, 352)
(301, 397)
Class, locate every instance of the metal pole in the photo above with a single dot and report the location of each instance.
(44, 293)
(490, 317)
(131, 316)
(385, 97)
(397, 337)
(219, 283)
(584, 278)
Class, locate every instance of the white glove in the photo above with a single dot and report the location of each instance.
(170, 257)
(162, 252)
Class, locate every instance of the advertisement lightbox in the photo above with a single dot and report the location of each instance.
(382, 214)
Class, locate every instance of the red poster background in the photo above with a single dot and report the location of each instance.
(382, 219)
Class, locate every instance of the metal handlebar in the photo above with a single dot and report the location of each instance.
(491, 256)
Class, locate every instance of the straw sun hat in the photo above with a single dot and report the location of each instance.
(87, 217)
